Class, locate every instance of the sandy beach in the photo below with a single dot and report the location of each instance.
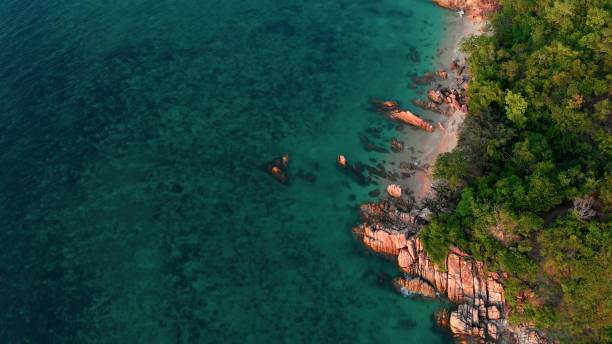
(444, 139)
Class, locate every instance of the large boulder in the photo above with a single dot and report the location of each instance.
(493, 313)
(394, 190)
(461, 320)
(408, 117)
(381, 241)
(435, 96)
(415, 286)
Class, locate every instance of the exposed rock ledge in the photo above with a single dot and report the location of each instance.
(482, 310)
(476, 10)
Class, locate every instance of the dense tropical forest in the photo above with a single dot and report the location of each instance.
(528, 190)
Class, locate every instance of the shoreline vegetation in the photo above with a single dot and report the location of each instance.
(516, 230)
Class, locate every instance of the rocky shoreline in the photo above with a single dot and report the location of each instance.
(445, 93)
(476, 10)
(390, 227)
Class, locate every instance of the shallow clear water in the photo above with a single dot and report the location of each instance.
(134, 207)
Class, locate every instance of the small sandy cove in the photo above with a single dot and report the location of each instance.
(444, 139)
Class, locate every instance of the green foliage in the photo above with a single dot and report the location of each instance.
(452, 167)
(578, 257)
(518, 264)
(515, 109)
(537, 138)
(543, 194)
(437, 241)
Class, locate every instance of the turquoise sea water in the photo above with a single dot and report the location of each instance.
(134, 207)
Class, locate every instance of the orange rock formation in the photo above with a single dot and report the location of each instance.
(408, 117)
(393, 111)
(482, 309)
(435, 96)
(477, 10)
(394, 190)
(460, 279)
(414, 286)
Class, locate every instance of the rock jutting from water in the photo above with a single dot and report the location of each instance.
(277, 168)
(408, 117)
(414, 286)
(394, 191)
(435, 96)
(446, 96)
(392, 110)
(482, 311)
(444, 100)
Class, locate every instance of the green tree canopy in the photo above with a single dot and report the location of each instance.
(515, 109)
(532, 173)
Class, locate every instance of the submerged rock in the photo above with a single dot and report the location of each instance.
(425, 79)
(414, 55)
(355, 171)
(397, 146)
(442, 317)
(378, 171)
(369, 146)
(307, 176)
(406, 165)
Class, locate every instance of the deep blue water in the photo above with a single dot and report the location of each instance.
(134, 206)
